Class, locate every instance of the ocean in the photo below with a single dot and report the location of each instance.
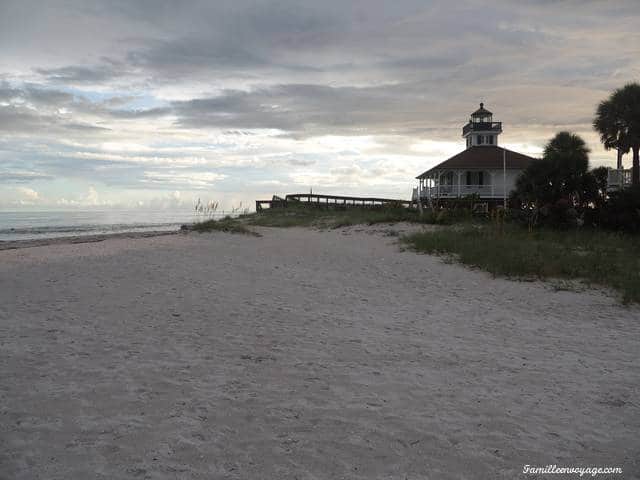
(25, 225)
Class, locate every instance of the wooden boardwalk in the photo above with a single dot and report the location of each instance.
(336, 201)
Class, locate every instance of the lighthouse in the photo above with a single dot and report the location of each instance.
(482, 171)
(481, 130)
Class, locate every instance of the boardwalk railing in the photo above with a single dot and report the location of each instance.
(617, 179)
(314, 199)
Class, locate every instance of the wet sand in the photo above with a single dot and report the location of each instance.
(41, 242)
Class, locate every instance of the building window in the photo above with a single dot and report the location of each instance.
(475, 178)
(490, 139)
(479, 140)
(447, 179)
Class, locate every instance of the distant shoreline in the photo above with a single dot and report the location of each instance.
(41, 242)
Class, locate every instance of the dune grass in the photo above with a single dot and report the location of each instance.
(596, 258)
(226, 224)
(305, 216)
(328, 218)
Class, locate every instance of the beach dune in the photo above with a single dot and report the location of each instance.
(303, 354)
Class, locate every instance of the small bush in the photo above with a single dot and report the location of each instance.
(622, 211)
(226, 224)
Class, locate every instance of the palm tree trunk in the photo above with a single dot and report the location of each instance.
(619, 167)
(635, 173)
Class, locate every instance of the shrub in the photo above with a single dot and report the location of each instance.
(558, 190)
(622, 211)
(226, 224)
(599, 258)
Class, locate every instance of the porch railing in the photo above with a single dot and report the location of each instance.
(482, 127)
(618, 178)
(454, 191)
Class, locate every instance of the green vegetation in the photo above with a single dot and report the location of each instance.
(618, 123)
(287, 217)
(331, 217)
(559, 190)
(310, 216)
(621, 211)
(226, 224)
(595, 257)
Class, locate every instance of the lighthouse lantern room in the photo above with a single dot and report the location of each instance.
(481, 129)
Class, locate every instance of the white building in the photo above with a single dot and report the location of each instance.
(483, 169)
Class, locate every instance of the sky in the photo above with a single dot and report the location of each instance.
(155, 103)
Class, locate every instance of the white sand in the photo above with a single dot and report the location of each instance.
(303, 354)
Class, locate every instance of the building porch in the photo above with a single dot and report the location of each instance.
(445, 184)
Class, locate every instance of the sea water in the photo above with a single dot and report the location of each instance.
(31, 225)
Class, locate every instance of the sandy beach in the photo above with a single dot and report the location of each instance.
(303, 354)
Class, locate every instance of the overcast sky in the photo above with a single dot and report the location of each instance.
(158, 102)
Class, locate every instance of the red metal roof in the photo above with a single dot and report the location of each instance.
(483, 157)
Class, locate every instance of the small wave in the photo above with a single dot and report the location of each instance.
(79, 229)
(35, 233)
(42, 225)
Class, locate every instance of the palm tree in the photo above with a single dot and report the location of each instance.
(568, 156)
(558, 188)
(618, 123)
(607, 123)
(559, 174)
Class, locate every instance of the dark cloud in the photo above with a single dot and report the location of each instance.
(182, 56)
(309, 109)
(34, 94)
(142, 113)
(17, 119)
(75, 74)
(47, 97)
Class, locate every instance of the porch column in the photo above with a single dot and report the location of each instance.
(438, 184)
(491, 174)
(459, 177)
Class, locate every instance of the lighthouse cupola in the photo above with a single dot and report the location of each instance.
(481, 130)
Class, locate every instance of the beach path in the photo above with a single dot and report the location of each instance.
(303, 354)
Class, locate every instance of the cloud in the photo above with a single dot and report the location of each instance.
(28, 194)
(191, 180)
(17, 176)
(154, 96)
(78, 75)
(307, 110)
(92, 197)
